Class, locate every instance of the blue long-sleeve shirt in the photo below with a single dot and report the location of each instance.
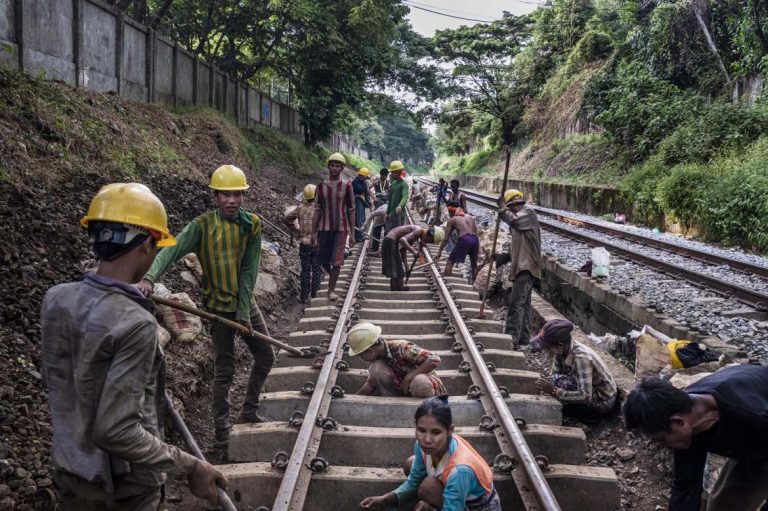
(462, 483)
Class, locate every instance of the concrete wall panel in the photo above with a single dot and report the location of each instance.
(7, 21)
(99, 33)
(49, 44)
(218, 94)
(164, 72)
(243, 114)
(230, 96)
(255, 99)
(134, 91)
(184, 83)
(134, 58)
(203, 84)
(275, 120)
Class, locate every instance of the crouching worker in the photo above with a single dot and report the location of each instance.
(104, 368)
(395, 247)
(397, 368)
(446, 472)
(227, 240)
(311, 271)
(725, 413)
(580, 380)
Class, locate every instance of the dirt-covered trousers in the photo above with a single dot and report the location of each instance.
(518, 323)
(741, 485)
(311, 271)
(223, 339)
(79, 495)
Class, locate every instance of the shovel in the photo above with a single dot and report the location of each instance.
(183, 430)
(428, 264)
(307, 352)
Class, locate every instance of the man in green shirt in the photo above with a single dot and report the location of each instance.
(227, 241)
(398, 196)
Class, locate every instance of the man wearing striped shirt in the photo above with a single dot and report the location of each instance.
(334, 217)
(227, 241)
(580, 380)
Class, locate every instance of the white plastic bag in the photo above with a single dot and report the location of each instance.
(601, 262)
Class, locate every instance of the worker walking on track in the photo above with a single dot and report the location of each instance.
(227, 240)
(467, 244)
(397, 368)
(104, 368)
(398, 196)
(445, 472)
(311, 272)
(580, 380)
(725, 413)
(395, 246)
(524, 258)
(381, 188)
(362, 199)
(334, 219)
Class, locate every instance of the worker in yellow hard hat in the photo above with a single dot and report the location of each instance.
(395, 247)
(333, 221)
(300, 219)
(102, 365)
(227, 240)
(361, 187)
(524, 256)
(399, 194)
(396, 368)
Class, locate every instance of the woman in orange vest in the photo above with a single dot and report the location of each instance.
(447, 473)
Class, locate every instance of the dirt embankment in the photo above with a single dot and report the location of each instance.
(57, 148)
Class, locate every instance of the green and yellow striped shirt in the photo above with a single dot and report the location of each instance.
(229, 252)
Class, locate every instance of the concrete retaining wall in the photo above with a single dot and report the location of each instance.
(591, 200)
(87, 43)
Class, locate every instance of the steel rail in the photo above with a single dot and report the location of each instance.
(750, 297)
(532, 486)
(295, 483)
(692, 253)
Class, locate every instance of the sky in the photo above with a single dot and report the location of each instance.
(426, 23)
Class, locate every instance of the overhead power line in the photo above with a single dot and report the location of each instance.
(447, 15)
(451, 11)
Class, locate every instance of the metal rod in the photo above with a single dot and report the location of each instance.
(415, 260)
(289, 236)
(186, 435)
(224, 321)
(370, 236)
(481, 314)
(294, 485)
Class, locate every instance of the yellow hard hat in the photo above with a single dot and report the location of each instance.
(364, 172)
(337, 157)
(396, 166)
(438, 235)
(228, 178)
(513, 195)
(133, 204)
(309, 192)
(361, 337)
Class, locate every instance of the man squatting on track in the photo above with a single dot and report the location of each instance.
(333, 221)
(580, 380)
(104, 368)
(394, 251)
(725, 413)
(468, 243)
(397, 368)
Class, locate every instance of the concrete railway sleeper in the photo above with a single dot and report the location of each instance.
(330, 448)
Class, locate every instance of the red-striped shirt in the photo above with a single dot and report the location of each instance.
(333, 200)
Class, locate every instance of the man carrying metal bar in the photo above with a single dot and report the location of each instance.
(105, 370)
(227, 240)
(395, 247)
(524, 258)
(378, 220)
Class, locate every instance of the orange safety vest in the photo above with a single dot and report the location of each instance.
(465, 454)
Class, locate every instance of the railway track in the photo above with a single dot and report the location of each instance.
(756, 298)
(329, 448)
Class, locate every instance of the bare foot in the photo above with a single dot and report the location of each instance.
(332, 296)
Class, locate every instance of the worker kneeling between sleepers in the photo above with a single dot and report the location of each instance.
(227, 240)
(397, 368)
(580, 380)
(104, 368)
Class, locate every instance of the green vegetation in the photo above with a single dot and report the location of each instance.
(659, 98)
(261, 143)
